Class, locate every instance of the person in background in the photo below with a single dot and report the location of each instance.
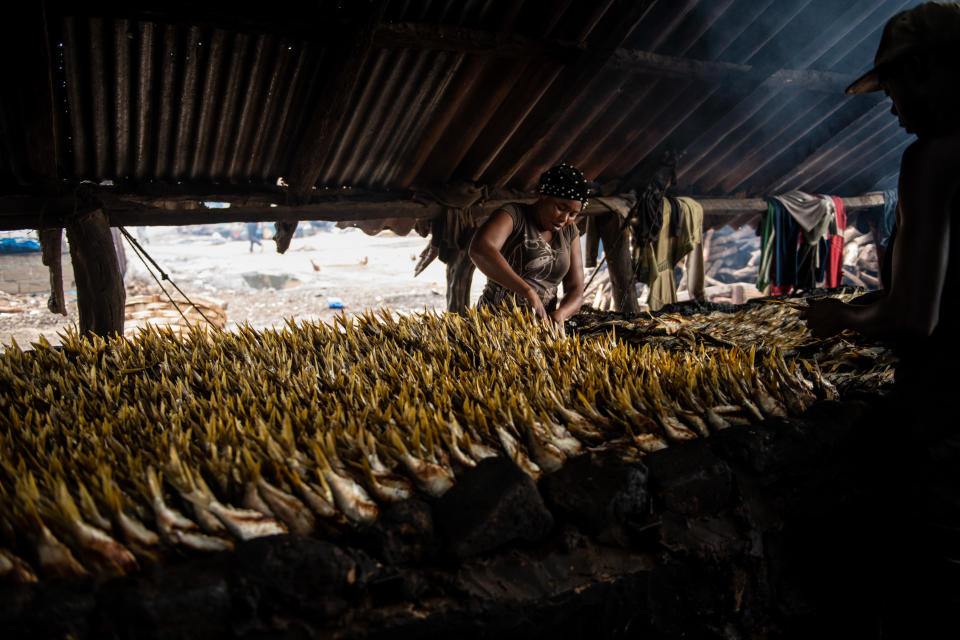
(253, 234)
(916, 461)
(526, 251)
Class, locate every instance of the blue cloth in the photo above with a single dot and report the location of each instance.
(18, 245)
(888, 218)
(794, 264)
(786, 231)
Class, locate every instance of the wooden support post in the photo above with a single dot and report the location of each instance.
(459, 278)
(100, 292)
(737, 294)
(50, 243)
(593, 243)
(616, 245)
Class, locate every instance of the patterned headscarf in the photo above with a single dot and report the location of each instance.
(564, 181)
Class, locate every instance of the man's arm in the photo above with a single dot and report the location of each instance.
(572, 285)
(920, 255)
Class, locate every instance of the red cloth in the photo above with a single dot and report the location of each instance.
(834, 273)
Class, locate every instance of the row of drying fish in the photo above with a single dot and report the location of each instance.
(848, 360)
(116, 453)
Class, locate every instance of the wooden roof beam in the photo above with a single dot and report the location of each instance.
(42, 213)
(474, 41)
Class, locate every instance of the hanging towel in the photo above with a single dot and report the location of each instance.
(662, 255)
(811, 212)
(695, 265)
(800, 222)
(767, 232)
(786, 241)
(834, 274)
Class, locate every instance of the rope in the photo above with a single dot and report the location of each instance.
(142, 253)
(596, 270)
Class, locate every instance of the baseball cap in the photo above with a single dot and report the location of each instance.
(925, 27)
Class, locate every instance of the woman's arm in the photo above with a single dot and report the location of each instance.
(485, 253)
(920, 255)
(572, 285)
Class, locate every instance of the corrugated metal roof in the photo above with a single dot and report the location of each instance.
(162, 95)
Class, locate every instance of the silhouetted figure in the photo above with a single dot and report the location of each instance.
(914, 463)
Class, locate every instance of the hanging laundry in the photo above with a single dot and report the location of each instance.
(674, 220)
(800, 222)
(786, 241)
(662, 255)
(888, 219)
(767, 232)
(812, 213)
(834, 272)
(649, 209)
(695, 264)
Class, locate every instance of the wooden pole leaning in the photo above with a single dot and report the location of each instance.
(100, 292)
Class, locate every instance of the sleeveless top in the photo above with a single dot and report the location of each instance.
(542, 264)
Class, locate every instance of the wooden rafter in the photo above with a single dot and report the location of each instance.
(490, 44)
(570, 84)
(133, 210)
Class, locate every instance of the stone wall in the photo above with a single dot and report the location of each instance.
(26, 273)
(736, 536)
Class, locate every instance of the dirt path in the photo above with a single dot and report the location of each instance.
(363, 272)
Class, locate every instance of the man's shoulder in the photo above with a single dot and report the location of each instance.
(932, 162)
(933, 151)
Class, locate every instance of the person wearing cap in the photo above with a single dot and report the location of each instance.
(526, 251)
(918, 66)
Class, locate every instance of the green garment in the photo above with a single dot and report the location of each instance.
(662, 255)
(766, 248)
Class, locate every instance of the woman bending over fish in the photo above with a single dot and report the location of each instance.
(526, 251)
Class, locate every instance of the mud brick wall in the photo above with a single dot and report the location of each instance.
(26, 273)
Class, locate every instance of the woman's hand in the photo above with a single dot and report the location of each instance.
(824, 317)
(535, 303)
(557, 318)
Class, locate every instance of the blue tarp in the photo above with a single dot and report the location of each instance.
(18, 245)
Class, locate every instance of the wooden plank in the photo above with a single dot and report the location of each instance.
(736, 206)
(27, 212)
(340, 212)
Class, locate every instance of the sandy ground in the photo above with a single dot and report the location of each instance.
(363, 272)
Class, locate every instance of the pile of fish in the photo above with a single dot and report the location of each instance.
(115, 454)
(848, 360)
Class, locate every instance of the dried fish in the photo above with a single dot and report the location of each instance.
(345, 418)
